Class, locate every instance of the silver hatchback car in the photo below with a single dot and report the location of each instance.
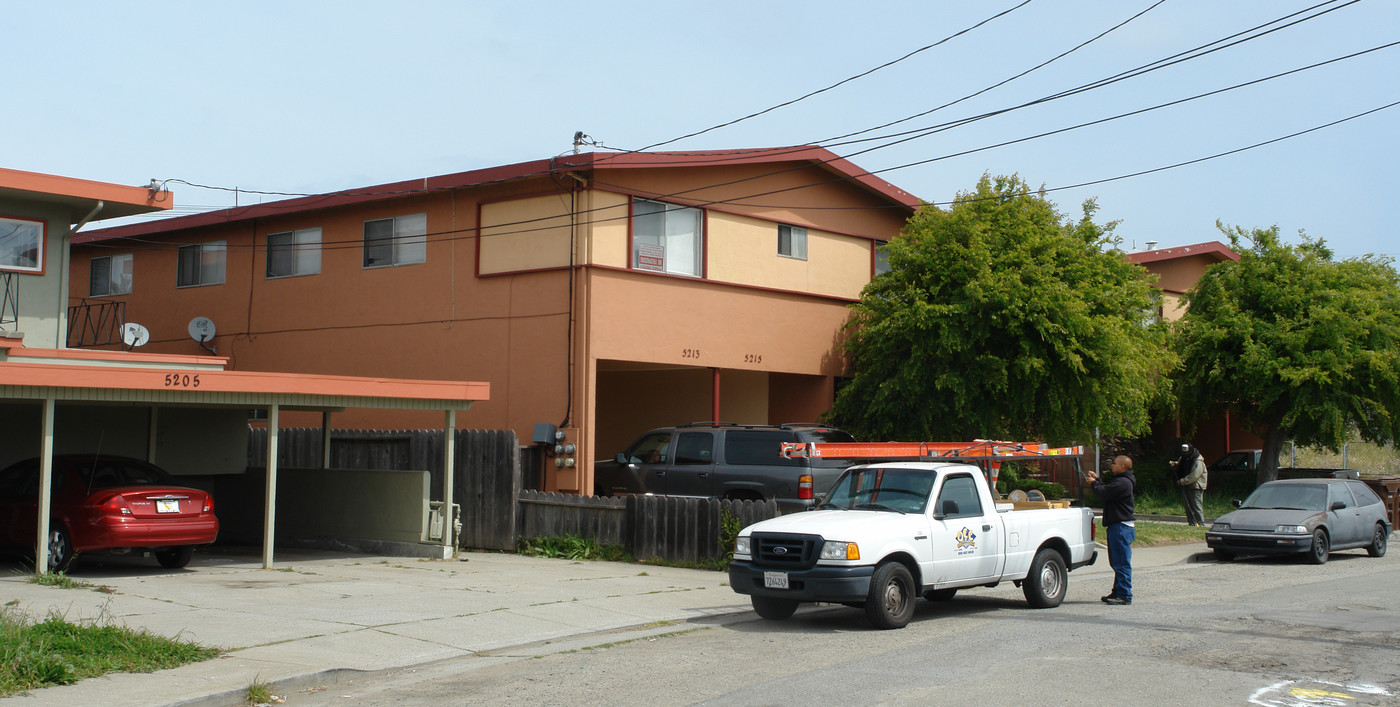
(1311, 517)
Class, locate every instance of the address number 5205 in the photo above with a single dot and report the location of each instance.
(182, 380)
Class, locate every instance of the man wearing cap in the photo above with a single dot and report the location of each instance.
(1117, 496)
(1191, 477)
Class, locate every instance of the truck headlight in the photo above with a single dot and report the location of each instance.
(1292, 529)
(837, 550)
(741, 546)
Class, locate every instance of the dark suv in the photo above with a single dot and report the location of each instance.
(723, 460)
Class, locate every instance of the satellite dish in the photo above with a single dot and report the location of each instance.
(134, 335)
(202, 329)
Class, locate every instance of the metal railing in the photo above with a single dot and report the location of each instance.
(95, 323)
(9, 301)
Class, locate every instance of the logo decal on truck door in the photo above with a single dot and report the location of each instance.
(967, 541)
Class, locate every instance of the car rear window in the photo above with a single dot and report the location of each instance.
(1364, 495)
(757, 447)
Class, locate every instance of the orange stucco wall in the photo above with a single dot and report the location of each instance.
(499, 310)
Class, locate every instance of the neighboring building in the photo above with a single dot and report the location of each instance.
(1177, 270)
(605, 293)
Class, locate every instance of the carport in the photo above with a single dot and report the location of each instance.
(161, 385)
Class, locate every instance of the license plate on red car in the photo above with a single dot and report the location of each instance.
(167, 505)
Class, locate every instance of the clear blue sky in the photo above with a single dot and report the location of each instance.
(309, 97)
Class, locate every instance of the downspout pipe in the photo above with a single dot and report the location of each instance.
(91, 215)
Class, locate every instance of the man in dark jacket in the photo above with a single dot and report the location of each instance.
(1191, 477)
(1117, 496)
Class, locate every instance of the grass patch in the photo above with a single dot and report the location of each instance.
(56, 652)
(258, 693)
(1153, 533)
(63, 581)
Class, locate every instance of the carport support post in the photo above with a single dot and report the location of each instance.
(41, 548)
(326, 439)
(270, 509)
(449, 459)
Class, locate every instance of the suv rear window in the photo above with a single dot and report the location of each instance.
(757, 447)
(825, 435)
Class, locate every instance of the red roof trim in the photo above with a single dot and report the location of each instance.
(816, 156)
(1210, 249)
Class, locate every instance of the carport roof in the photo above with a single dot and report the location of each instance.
(117, 376)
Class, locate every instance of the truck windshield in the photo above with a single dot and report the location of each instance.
(881, 489)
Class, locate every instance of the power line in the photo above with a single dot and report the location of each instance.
(838, 83)
(473, 231)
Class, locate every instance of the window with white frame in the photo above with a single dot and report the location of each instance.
(200, 264)
(21, 245)
(666, 238)
(294, 253)
(110, 275)
(396, 241)
(792, 242)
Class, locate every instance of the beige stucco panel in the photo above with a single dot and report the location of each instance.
(744, 250)
(525, 234)
(607, 215)
(670, 320)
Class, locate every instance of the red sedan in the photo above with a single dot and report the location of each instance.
(106, 503)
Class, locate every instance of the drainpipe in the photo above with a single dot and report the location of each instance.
(91, 215)
(714, 395)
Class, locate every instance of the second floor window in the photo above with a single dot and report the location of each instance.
(396, 241)
(666, 238)
(110, 275)
(882, 259)
(200, 264)
(792, 242)
(294, 253)
(22, 245)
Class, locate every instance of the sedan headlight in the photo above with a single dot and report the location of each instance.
(837, 550)
(1219, 527)
(1292, 529)
(741, 546)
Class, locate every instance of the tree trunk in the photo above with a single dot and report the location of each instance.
(1268, 460)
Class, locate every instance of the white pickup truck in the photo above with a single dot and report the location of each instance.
(888, 533)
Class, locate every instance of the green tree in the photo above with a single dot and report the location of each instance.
(1000, 318)
(1295, 344)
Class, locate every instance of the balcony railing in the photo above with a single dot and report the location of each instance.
(9, 302)
(96, 323)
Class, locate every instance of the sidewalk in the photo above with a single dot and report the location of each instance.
(320, 616)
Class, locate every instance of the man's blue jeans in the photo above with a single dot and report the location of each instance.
(1120, 558)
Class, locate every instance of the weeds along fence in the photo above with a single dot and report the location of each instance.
(673, 529)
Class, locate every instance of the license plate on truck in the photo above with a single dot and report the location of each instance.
(775, 580)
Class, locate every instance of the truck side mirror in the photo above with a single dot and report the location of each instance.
(1237, 502)
(621, 458)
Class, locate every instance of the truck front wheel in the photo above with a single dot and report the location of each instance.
(890, 603)
(1047, 581)
(774, 609)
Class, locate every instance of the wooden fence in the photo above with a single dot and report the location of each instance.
(485, 481)
(496, 502)
(666, 527)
